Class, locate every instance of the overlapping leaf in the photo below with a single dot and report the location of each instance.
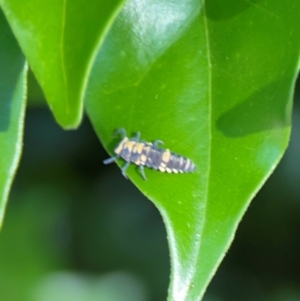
(13, 71)
(60, 39)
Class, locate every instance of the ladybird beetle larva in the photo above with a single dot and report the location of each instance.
(148, 154)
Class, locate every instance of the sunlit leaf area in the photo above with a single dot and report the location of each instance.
(78, 230)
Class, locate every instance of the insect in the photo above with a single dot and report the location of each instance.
(142, 153)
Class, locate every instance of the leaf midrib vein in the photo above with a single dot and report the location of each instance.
(209, 96)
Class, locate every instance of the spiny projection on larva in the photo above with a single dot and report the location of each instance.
(142, 153)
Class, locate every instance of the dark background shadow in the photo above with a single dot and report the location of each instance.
(223, 9)
(264, 110)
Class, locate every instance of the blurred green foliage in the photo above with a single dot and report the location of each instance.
(72, 220)
(66, 239)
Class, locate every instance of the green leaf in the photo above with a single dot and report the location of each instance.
(13, 73)
(214, 81)
(60, 40)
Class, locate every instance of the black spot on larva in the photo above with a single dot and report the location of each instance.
(172, 162)
(155, 156)
(134, 157)
(124, 152)
(146, 150)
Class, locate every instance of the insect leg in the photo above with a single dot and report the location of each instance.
(156, 142)
(142, 171)
(110, 160)
(137, 137)
(124, 169)
(121, 131)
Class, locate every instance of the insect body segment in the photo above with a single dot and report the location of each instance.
(150, 155)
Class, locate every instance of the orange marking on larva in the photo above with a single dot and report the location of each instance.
(143, 159)
(120, 146)
(136, 152)
(162, 169)
(166, 156)
(129, 145)
(162, 164)
(139, 148)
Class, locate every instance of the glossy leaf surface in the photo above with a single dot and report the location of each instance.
(13, 73)
(60, 39)
(214, 81)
